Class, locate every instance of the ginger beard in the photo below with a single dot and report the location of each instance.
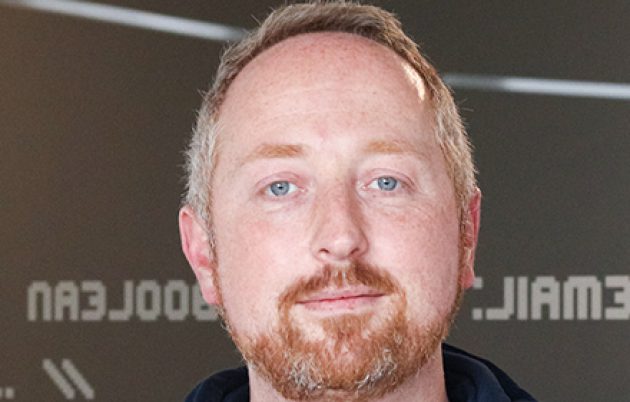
(346, 356)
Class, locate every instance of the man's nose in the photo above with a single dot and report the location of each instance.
(338, 234)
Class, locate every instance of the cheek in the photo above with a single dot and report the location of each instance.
(255, 266)
(421, 248)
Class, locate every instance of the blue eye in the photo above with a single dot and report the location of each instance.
(385, 183)
(281, 188)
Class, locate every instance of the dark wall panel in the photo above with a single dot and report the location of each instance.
(95, 117)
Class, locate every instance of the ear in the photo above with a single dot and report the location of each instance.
(471, 235)
(196, 247)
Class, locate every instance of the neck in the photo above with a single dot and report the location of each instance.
(427, 385)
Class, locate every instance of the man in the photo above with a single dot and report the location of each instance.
(332, 215)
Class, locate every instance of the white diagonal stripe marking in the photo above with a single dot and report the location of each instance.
(539, 86)
(134, 18)
(77, 378)
(220, 32)
(53, 372)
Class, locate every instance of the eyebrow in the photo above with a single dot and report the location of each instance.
(273, 151)
(270, 151)
(393, 147)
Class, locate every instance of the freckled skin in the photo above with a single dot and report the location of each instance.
(304, 91)
(332, 93)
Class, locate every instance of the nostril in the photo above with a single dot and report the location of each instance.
(342, 246)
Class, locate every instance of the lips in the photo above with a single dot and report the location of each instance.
(346, 298)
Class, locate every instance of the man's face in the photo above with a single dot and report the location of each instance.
(335, 221)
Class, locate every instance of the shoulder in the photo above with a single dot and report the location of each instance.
(470, 378)
(226, 386)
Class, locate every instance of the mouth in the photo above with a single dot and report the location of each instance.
(341, 299)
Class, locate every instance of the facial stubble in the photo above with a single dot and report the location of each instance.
(361, 356)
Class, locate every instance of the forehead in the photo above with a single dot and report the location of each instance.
(323, 78)
(327, 58)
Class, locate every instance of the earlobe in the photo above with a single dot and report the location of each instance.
(196, 247)
(470, 239)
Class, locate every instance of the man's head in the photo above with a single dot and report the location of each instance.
(331, 211)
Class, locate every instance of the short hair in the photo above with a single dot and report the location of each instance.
(325, 16)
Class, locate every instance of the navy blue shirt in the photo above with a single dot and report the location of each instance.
(468, 379)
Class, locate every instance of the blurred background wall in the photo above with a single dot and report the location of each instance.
(93, 120)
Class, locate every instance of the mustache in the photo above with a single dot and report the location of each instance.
(337, 276)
